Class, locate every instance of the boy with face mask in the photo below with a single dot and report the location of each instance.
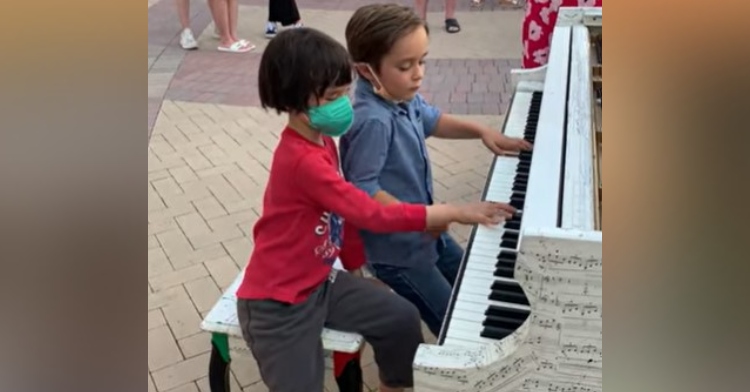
(385, 153)
(290, 291)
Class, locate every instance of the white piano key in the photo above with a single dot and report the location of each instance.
(485, 300)
(473, 308)
(457, 341)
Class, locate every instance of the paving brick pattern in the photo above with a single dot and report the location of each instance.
(460, 86)
(209, 151)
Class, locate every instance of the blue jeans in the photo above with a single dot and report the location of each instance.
(429, 289)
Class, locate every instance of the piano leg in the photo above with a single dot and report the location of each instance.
(348, 372)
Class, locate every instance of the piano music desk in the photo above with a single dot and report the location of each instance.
(226, 340)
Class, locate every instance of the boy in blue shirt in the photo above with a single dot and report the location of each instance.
(385, 153)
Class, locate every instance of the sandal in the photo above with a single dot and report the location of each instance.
(452, 26)
(237, 47)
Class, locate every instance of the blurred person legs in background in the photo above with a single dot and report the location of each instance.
(225, 14)
(187, 40)
(451, 23)
(284, 12)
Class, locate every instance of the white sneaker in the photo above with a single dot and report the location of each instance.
(187, 41)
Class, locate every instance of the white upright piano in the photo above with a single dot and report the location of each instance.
(526, 311)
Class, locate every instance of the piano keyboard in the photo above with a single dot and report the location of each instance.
(489, 304)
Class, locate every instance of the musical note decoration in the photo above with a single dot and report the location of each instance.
(557, 349)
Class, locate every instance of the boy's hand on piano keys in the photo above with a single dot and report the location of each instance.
(484, 213)
(502, 145)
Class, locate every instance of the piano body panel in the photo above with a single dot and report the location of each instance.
(537, 74)
(578, 194)
(542, 201)
(575, 16)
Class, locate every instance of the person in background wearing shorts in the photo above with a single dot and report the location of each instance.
(187, 39)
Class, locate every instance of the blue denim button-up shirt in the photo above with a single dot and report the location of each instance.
(386, 150)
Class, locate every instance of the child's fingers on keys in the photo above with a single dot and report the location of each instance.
(494, 220)
(505, 208)
(496, 149)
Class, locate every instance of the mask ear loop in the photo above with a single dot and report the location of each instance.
(381, 91)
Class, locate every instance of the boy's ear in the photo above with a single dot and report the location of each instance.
(365, 71)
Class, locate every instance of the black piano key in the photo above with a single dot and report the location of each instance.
(502, 322)
(507, 287)
(505, 272)
(505, 263)
(508, 297)
(512, 291)
(509, 244)
(517, 203)
(514, 218)
(513, 298)
(518, 198)
(510, 235)
(512, 225)
(495, 333)
(504, 311)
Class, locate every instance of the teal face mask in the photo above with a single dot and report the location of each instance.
(334, 118)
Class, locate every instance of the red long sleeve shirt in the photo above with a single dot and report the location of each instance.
(301, 230)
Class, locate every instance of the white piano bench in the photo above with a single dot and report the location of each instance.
(227, 341)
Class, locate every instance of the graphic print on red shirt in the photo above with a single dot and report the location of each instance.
(331, 228)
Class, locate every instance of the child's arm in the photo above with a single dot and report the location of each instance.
(323, 185)
(446, 126)
(385, 198)
(451, 127)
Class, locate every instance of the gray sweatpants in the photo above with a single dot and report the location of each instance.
(285, 339)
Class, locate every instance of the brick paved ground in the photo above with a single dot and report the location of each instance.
(210, 146)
